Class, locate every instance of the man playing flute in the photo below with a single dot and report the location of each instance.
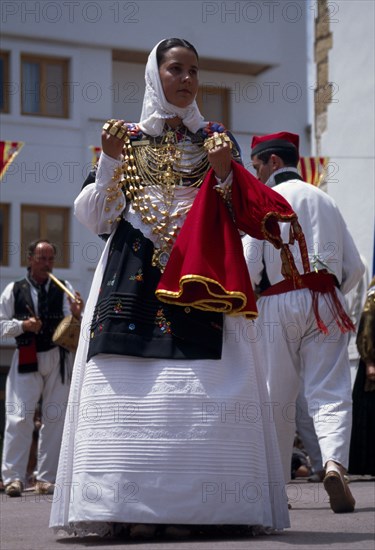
(30, 311)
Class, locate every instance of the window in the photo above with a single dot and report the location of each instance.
(4, 234)
(46, 222)
(213, 102)
(4, 82)
(44, 86)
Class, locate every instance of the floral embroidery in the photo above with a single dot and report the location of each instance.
(118, 307)
(213, 127)
(137, 244)
(134, 131)
(161, 321)
(138, 276)
(132, 326)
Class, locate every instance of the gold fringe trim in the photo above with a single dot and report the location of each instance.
(218, 304)
(279, 217)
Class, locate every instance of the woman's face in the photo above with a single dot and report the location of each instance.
(179, 76)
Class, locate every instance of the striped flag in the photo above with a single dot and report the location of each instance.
(95, 154)
(8, 152)
(313, 169)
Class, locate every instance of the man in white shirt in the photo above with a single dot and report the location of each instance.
(304, 325)
(30, 311)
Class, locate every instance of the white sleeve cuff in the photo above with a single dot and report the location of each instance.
(107, 165)
(227, 182)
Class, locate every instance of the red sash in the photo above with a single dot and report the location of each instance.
(320, 282)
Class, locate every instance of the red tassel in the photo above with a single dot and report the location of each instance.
(321, 326)
(342, 319)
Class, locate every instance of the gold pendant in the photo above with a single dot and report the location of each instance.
(160, 259)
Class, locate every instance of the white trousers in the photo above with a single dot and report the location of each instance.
(293, 349)
(23, 392)
(306, 430)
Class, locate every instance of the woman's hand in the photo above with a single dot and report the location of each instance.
(112, 145)
(219, 154)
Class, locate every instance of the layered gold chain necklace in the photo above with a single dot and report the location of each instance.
(151, 174)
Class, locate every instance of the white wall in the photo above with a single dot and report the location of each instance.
(257, 30)
(349, 139)
(53, 164)
(55, 160)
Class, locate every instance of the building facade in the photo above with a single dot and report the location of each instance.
(345, 112)
(69, 66)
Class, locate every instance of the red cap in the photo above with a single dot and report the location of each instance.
(280, 140)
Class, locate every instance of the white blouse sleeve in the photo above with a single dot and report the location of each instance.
(100, 204)
(9, 326)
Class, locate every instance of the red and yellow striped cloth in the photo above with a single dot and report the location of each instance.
(95, 154)
(313, 169)
(8, 152)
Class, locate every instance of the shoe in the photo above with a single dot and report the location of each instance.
(177, 531)
(44, 488)
(237, 531)
(316, 477)
(142, 531)
(340, 497)
(14, 488)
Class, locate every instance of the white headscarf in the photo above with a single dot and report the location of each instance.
(156, 109)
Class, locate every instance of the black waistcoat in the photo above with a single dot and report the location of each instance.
(23, 304)
(128, 318)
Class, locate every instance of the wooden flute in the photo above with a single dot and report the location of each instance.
(63, 287)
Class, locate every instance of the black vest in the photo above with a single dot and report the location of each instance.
(22, 303)
(128, 318)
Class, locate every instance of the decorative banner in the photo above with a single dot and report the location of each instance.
(95, 154)
(313, 169)
(8, 152)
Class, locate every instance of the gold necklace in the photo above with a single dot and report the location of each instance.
(172, 163)
(152, 172)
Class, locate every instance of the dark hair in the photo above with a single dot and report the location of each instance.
(170, 43)
(288, 156)
(32, 246)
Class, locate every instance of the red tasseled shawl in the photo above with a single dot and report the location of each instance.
(207, 268)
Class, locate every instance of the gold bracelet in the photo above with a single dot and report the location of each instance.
(216, 140)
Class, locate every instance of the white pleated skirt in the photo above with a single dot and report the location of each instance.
(171, 442)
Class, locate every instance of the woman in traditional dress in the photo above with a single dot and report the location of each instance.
(362, 443)
(169, 424)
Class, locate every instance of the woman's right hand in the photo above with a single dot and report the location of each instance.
(112, 145)
(219, 154)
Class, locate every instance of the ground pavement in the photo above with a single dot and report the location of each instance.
(24, 526)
